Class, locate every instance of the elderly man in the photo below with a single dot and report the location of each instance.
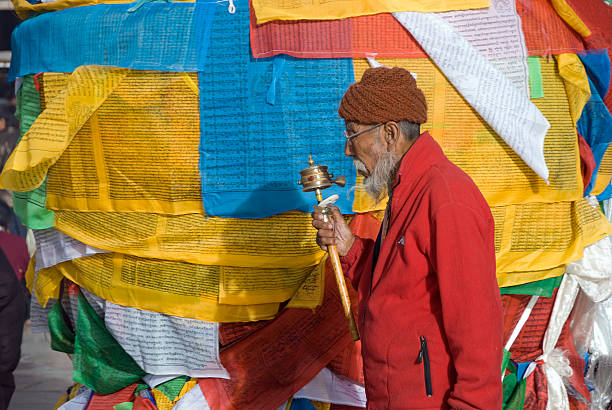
(430, 312)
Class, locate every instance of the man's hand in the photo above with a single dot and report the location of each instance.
(334, 232)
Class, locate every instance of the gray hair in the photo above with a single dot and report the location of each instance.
(410, 130)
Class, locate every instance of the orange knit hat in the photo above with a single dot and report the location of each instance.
(384, 94)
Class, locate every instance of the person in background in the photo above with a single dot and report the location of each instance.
(14, 247)
(430, 313)
(9, 131)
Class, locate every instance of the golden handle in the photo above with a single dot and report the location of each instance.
(344, 296)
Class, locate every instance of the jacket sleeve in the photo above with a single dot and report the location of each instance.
(358, 260)
(463, 257)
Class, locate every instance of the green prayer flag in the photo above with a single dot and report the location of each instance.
(505, 360)
(62, 335)
(100, 363)
(30, 206)
(128, 405)
(544, 287)
(535, 77)
(514, 390)
(172, 388)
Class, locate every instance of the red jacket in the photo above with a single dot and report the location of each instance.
(434, 278)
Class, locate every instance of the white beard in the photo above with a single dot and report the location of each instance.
(378, 182)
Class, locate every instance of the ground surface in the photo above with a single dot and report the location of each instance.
(43, 375)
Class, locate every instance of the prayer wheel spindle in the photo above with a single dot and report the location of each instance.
(315, 178)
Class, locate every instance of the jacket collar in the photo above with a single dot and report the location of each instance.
(417, 159)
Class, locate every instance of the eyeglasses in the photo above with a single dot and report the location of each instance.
(350, 137)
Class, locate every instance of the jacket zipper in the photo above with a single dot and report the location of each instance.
(424, 357)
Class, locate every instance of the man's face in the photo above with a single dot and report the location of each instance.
(366, 148)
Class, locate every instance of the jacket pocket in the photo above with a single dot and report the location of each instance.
(424, 358)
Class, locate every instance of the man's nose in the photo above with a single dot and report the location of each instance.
(347, 149)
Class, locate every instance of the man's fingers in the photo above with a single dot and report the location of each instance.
(322, 225)
(336, 215)
(326, 241)
(318, 216)
(324, 233)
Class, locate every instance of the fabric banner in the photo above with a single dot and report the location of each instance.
(203, 292)
(576, 83)
(595, 124)
(136, 152)
(597, 16)
(268, 10)
(261, 119)
(472, 145)
(281, 241)
(527, 282)
(153, 285)
(382, 36)
(263, 369)
(603, 184)
(501, 104)
(30, 206)
(539, 236)
(544, 287)
(166, 345)
(53, 247)
(53, 130)
(164, 37)
(528, 347)
(25, 9)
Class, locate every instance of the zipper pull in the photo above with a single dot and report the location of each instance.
(420, 358)
(424, 354)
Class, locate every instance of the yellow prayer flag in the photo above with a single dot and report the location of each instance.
(567, 13)
(137, 152)
(604, 173)
(49, 136)
(268, 10)
(281, 241)
(204, 292)
(576, 83)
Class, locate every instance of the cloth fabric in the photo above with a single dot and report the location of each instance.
(61, 331)
(30, 206)
(528, 348)
(384, 94)
(470, 143)
(576, 83)
(263, 369)
(382, 36)
(544, 287)
(260, 119)
(587, 161)
(595, 123)
(441, 231)
(107, 401)
(505, 107)
(597, 16)
(267, 10)
(168, 36)
(121, 168)
(100, 363)
(16, 250)
(26, 9)
(172, 288)
(12, 316)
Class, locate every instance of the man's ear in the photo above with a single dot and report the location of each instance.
(392, 133)
(2, 123)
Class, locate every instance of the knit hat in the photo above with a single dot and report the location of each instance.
(384, 94)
